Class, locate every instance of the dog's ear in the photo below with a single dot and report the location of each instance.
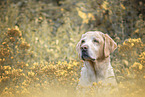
(78, 48)
(109, 45)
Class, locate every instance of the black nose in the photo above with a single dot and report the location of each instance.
(84, 48)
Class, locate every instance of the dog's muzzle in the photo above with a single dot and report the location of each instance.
(85, 54)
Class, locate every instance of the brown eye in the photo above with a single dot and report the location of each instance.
(82, 41)
(96, 41)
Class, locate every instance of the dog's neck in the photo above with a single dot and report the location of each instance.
(99, 63)
(98, 67)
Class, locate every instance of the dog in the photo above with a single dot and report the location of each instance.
(94, 48)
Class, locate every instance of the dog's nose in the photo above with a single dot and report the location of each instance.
(85, 47)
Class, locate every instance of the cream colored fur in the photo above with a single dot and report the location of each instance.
(98, 69)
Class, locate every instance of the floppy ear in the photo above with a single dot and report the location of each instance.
(109, 46)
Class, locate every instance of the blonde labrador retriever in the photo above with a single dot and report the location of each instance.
(94, 49)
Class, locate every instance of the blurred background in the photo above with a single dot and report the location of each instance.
(38, 44)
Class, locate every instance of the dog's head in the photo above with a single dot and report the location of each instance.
(95, 45)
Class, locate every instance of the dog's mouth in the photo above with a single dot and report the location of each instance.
(86, 57)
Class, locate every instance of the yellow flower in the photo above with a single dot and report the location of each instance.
(100, 82)
(6, 88)
(6, 72)
(37, 79)
(14, 32)
(17, 92)
(3, 59)
(31, 74)
(24, 83)
(104, 5)
(62, 9)
(132, 44)
(20, 70)
(26, 65)
(4, 43)
(17, 86)
(136, 31)
(140, 66)
(94, 84)
(122, 6)
(85, 16)
(136, 64)
(62, 72)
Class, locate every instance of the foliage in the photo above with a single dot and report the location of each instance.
(38, 45)
(18, 75)
(132, 69)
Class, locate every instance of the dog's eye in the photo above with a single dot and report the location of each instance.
(96, 41)
(82, 41)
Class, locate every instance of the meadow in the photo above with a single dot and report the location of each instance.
(38, 41)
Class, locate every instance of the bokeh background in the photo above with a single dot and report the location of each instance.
(38, 40)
